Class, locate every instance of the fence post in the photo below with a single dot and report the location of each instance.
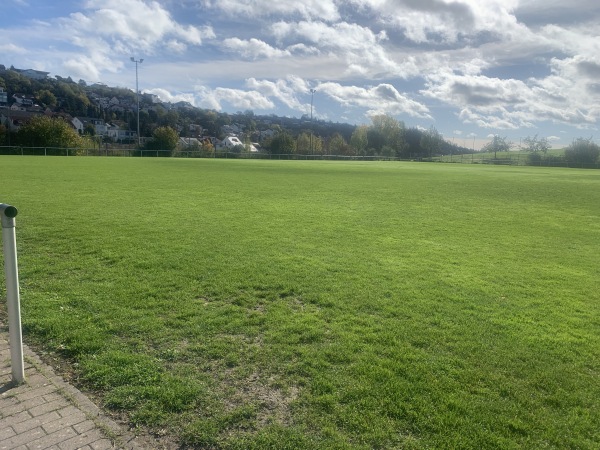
(9, 245)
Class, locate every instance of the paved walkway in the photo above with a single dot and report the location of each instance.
(47, 413)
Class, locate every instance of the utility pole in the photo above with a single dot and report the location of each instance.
(137, 97)
(312, 95)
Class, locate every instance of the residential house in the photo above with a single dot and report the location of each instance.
(118, 134)
(234, 128)
(13, 120)
(80, 123)
(24, 100)
(3, 97)
(233, 141)
(186, 142)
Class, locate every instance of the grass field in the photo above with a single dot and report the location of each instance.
(290, 305)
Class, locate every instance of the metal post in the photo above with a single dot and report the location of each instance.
(9, 244)
(312, 96)
(137, 96)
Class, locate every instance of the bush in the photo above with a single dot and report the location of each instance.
(583, 151)
(43, 131)
(163, 138)
(534, 159)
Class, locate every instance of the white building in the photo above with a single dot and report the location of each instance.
(233, 141)
(100, 128)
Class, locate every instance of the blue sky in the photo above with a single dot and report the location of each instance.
(471, 68)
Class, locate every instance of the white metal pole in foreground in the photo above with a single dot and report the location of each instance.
(9, 244)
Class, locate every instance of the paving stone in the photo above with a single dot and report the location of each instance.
(34, 422)
(63, 422)
(35, 392)
(82, 439)
(15, 418)
(6, 433)
(68, 410)
(17, 406)
(54, 396)
(52, 439)
(102, 444)
(84, 426)
(22, 439)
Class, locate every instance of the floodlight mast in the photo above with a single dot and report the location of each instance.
(9, 245)
(312, 96)
(137, 97)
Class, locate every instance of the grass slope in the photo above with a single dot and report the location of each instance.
(265, 304)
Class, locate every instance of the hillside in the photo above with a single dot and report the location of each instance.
(117, 106)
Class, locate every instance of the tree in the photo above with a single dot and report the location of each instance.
(44, 131)
(431, 141)
(46, 97)
(584, 151)
(386, 132)
(163, 138)
(359, 141)
(282, 143)
(89, 129)
(303, 144)
(3, 134)
(497, 144)
(338, 146)
(534, 145)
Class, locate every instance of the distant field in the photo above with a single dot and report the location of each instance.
(332, 305)
(517, 158)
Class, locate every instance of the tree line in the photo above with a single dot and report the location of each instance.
(385, 136)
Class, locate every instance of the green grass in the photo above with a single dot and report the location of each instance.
(515, 157)
(266, 304)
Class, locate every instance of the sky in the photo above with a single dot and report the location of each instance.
(470, 68)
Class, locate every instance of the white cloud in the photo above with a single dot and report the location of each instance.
(359, 47)
(308, 9)
(12, 48)
(213, 98)
(167, 96)
(253, 48)
(441, 21)
(511, 103)
(131, 26)
(282, 90)
(381, 99)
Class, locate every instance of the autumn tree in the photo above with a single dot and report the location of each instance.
(338, 146)
(282, 144)
(163, 138)
(46, 97)
(359, 141)
(386, 135)
(303, 144)
(44, 131)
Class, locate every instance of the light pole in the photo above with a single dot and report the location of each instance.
(137, 96)
(312, 95)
